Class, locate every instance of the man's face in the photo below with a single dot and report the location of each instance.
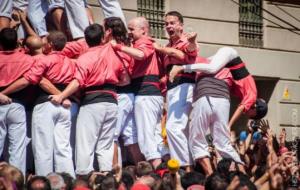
(173, 26)
(135, 31)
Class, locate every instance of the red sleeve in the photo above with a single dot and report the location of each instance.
(36, 72)
(75, 48)
(81, 72)
(146, 47)
(189, 56)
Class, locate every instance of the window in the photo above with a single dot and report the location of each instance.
(251, 23)
(153, 10)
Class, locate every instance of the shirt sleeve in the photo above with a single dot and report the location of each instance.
(146, 47)
(81, 72)
(36, 72)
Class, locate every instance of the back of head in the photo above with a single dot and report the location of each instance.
(8, 39)
(192, 178)
(68, 179)
(34, 43)
(57, 39)
(215, 182)
(261, 108)
(93, 35)
(38, 183)
(143, 168)
(109, 183)
(56, 181)
(13, 174)
(119, 31)
(224, 166)
(176, 14)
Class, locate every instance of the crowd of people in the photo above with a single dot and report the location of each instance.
(107, 107)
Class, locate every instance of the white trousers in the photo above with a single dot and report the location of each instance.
(126, 127)
(179, 104)
(148, 113)
(51, 128)
(13, 124)
(37, 10)
(78, 19)
(94, 134)
(211, 114)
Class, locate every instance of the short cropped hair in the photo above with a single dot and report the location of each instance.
(177, 14)
(8, 39)
(93, 35)
(57, 39)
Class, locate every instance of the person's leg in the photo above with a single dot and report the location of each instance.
(199, 125)
(37, 10)
(112, 8)
(179, 102)
(148, 113)
(220, 131)
(5, 13)
(42, 137)
(62, 147)
(104, 147)
(77, 17)
(3, 126)
(87, 132)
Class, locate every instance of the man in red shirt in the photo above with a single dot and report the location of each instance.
(51, 124)
(13, 65)
(244, 85)
(148, 99)
(99, 72)
(180, 92)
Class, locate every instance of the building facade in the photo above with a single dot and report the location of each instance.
(265, 33)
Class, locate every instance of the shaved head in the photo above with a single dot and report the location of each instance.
(34, 43)
(140, 22)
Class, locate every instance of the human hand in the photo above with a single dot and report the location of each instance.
(5, 99)
(56, 99)
(191, 36)
(66, 103)
(174, 71)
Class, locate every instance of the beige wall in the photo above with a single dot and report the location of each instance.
(276, 66)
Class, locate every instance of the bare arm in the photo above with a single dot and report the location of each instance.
(169, 51)
(47, 86)
(69, 90)
(133, 52)
(25, 24)
(16, 86)
(237, 114)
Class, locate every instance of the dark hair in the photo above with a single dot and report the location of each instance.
(109, 183)
(119, 31)
(44, 180)
(57, 39)
(68, 179)
(127, 179)
(8, 39)
(143, 168)
(261, 109)
(192, 178)
(93, 35)
(224, 165)
(244, 180)
(215, 182)
(177, 14)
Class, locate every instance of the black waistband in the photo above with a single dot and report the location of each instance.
(125, 89)
(178, 81)
(108, 87)
(240, 73)
(146, 78)
(234, 62)
(96, 97)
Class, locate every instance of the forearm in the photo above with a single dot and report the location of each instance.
(70, 89)
(192, 46)
(47, 86)
(16, 86)
(171, 52)
(28, 28)
(133, 52)
(237, 114)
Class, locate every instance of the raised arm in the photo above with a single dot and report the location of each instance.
(169, 51)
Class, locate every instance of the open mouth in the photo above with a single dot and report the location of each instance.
(171, 32)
